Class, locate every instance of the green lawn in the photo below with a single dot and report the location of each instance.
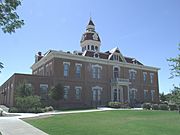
(111, 123)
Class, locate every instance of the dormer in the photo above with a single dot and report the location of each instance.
(116, 55)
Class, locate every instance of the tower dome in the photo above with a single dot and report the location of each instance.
(90, 39)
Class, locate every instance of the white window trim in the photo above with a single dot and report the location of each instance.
(78, 64)
(67, 87)
(44, 85)
(66, 63)
(97, 87)
(97, 65)
(132, 70)
(78, 87)
(116, 67)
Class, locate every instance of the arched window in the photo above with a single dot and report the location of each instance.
(96, 48)
(116, 72)
(92, 47)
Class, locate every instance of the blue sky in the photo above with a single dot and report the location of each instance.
(147, 30)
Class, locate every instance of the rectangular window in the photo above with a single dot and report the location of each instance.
(94, 95)
(96, 72)
(66, 69)
(152, 95)
(44, 91)
(133, 94)
(151, 78)
(78, 92)
(78, 70)
(144, 76)
(132, 74)
(145, 94)
(66, 91)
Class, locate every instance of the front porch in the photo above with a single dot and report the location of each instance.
(120, 90)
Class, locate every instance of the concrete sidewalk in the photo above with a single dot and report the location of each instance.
(15, 126)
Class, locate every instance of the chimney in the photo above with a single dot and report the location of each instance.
(38, 57)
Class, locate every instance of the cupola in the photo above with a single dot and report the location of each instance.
(90, 39)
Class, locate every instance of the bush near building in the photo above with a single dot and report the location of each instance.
(155, 107)
(146, 106)
(173, 107)
(118, 105)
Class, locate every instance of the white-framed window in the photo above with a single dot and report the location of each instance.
(152, 95)
(96, 93)
(66, 91)
(66, 68)
(151, 78)
(78, 92)
(145, 94)
(96, 71)
(44, 91)
(132, 74)
(115, 57)
(144, 76)
(92, 47)
(133, 94)
(78, 70)
(116, 72)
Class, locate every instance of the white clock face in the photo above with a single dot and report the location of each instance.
(95, 36)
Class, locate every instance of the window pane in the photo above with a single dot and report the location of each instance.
(44, 91)
(78, 71)
(66, 69)
(66, 89)
(78, 93)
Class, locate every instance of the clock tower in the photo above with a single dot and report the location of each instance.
(90, 40)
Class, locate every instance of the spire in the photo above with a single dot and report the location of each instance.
(91, 22)
(90, 26)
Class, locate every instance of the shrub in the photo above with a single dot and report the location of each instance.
(50, 108)
(35, 110)
(155, 107)
(163, 107)
(25, 103)
(115, 104)
(146, 106)
(173, 107)
(118, 105)
(13, 110)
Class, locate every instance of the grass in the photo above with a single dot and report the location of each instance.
(111, 123)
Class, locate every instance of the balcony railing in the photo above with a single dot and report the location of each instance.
(120, 80)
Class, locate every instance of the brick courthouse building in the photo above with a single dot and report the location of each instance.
(89, 77)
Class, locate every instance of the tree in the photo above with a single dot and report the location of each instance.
(57, 92)
(162, 97)
(175, 72)
(1, 66)
(175, 95)
(24, 89)
(25, 100)
(175, 65)
(9, 19)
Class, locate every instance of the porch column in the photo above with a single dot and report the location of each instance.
(128, 93)
(112, 91)
(122, 97)
(117, 93)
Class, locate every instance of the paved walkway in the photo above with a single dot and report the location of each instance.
(15, 126)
